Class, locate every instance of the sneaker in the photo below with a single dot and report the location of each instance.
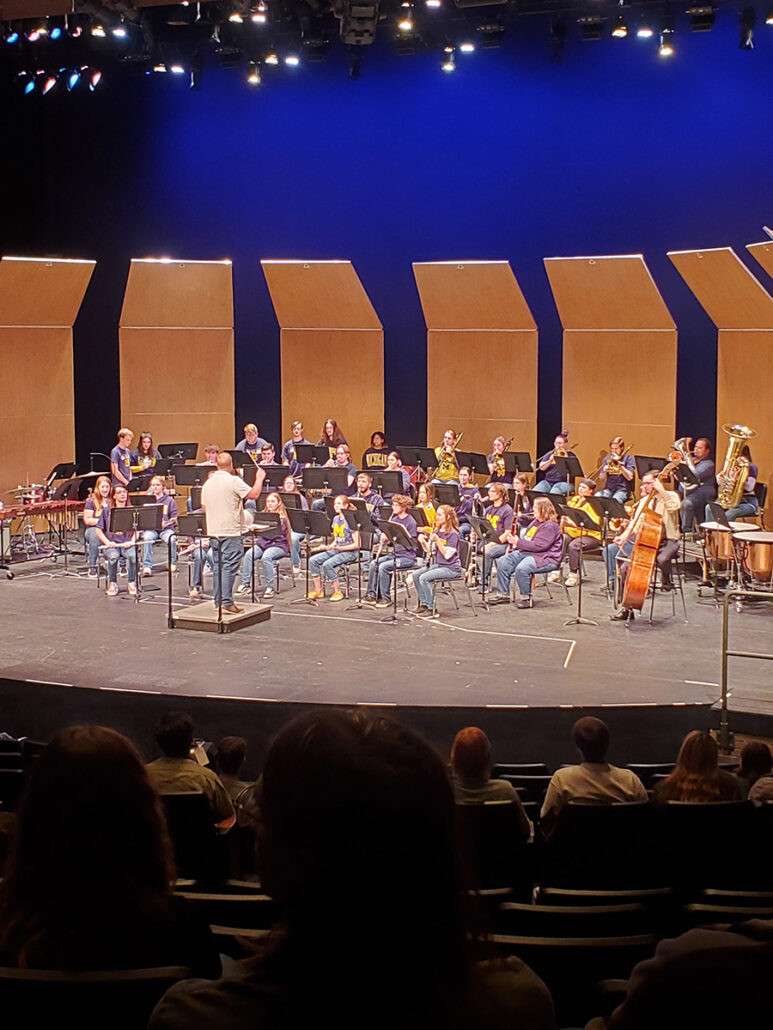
(315, 595)
(133, 589)
(194, 592)
(268, 593)
(93, 574)
(572, 579)
(555, 576)
(337, 596)
(147, 571)
(112, 589)
(173, 567)
(525, 602)
(423, 612)
(370, 599)
(243, 588)
(384, 602)
(499, 599)
(622, 615)
(296, 570)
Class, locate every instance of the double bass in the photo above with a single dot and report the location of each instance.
(645, 550)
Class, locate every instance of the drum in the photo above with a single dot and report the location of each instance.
(757, 556)
(719, 541)
(33, 493)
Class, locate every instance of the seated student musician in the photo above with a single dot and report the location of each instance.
(121, 459)
(366, 493)
(426, 501)
(664, 503)
(168, 526)
(469, 495)
(144, 456)
(211, 452)
(500, 515)
(749, 503)
(447, 469)
(99, 499)
(342, 459)
(554, 481)
(375, 457)
(201, 554)
(395, 464)
(443, 563)
(331, 436)
(496, 462)
(289, 455)
(343, 551)
(290, 486)
(252, 443)
(381, 567)
(576, 541)
(271, 546)
(694, 501)
(537, 550)
(619, 471)
(523, 508)
(117, 545)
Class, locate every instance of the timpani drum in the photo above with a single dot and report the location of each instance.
(756, 556)
(719, 539)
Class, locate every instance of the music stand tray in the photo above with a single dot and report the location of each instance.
(179, 451)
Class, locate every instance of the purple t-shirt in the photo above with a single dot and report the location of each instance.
(275, 537)
(104, 525)
(553, 475)
(619, 482)
(544, 544)
(409, 525)
(467, 495)
(342, 534)
(169, 516)
(501, 518)
(122, 458)
(450, 538)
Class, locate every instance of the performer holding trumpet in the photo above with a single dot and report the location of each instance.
(618, 470)
(554, 481)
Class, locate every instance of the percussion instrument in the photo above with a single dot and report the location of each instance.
(719, 540)
(756, 556)
(30, 493)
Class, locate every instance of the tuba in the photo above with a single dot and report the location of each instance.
(735, 471)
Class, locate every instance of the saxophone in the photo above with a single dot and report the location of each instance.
(735, 471)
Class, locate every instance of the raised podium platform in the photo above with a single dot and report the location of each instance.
(203, 617)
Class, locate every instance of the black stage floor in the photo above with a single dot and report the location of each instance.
(65, 631)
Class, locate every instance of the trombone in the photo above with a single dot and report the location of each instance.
(614, 466)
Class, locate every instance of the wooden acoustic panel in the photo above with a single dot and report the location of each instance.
(178, 294)
(612, 313)
(762, 253)
(42, 291)
(481, 354)
(725, 288)
(332, 349)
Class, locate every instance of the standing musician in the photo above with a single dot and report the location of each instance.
(554, 481)
(145, 455)
(618, 484)
(343, 551)
(500, 515)
(331, 436)
(168, 520)
(252, 443)
(496, 461)
(447, 469)
(694, 501)
(538, 550)
(289, 456)
(375, 457)
(577, 541)
(99, 499)
(395, 464)
(121, 459)
(749, 503)
(664, 503)
(468, 495)
(522, 507)
(382, 566)
(444, 544)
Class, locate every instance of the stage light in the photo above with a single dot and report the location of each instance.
(49, 84)
(94, 81)
(55, 33)
(258, 17)
(73, 79)
(467, 47)
(645, 29)
(271, 58)
(98, 31)
(769, 16)
(433, 3)
(292, 60)
(666, 47)
(120, 32)
(236, 18)
(159, 66)
(405, 24)
(449, 60)
(254, 77)
(11, 36)
(748, 24)
(29, 87)
(491, 34)
(620, 28)
(176, 68)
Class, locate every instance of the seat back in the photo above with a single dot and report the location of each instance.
(707, 844)
(200, 852)
(520, 769)
(491, 846)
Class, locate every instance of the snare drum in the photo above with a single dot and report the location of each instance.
(719, 540)
(757, 555)
(33, 493)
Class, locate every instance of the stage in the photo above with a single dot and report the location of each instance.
(68, 652)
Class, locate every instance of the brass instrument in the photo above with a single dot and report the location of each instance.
(614, 467)
(563, 452)
(735, 471)
(446, 460)
(499, 461)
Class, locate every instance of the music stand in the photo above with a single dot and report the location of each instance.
(421, 457)
(360, 521)
(334, 479)
(389, 481)
(291, 500)
(275, 475)
(140, 483)
(555, 499)
(523, 461)
(308, 524)
(138, 500)
(194, 526)
(584, 523)
(719, 514)
(570, 468)
(644, 464)
(311, 454)
(479, 464)
(607, 508)
(192, 475)
(448, 493)
(395, 534)
(99, 454)
(179, 451)
(241, 459)
(136, 519)
(64, 470)
(68, 492)
(484, 531)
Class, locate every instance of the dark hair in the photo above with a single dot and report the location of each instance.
(471, 755)
(591, 737)
(330, 441)
(373, 436)
(175, 734)
(696, 774)
(145, 450)
(231, 752)
(357, 843)
(756, 761)
(91, 843)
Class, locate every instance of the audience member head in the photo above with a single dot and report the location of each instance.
(91, 842)
(231, 752)
(175, 734)
(471, 756)
(756, 761)
(695, 776)
(591, 738)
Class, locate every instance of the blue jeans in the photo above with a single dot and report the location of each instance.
(486, 561)
(543, 487)
(380, 573)
(524, 565)
(228, 552)
(619, 495)
(92, 542)
(295, 550)
(112, 554)
(149, 536)
(424, 579)
(269, 559)
(327, 563)
(611, 552)
(201, 556)
(749, 506)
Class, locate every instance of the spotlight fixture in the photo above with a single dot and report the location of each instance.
(702, 17)
(10, 35)
(406, 23)
(236, 18)
(94, 81)
(491, 34)
(769, 16)
(120, 32)
(748, 22)
(292, 60)
(98, 31)
(177, 67)
(359, 21)
(29, 87)
(73, 79)
(433, 3)
(271, 58)
(644, 29)
(467, 47)
(159, 66)
(449, 60)
(258, 17)
(254, 76)
(49, 84)
(591, 26)
(620, 28)
(666, 46)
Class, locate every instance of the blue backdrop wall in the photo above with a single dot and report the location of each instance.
(611, 151)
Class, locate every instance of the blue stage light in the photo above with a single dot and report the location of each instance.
(12, 37)
(55, 33)
(29, 87)
(73, 79)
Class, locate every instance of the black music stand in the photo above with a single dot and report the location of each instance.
(291, 500)
(181, 452)
(570, 468)
(395, 534)
(421, 457)
(308, 523)
(140, 483)
(311, 454)
(99, 454)
(448, 493)
(607, 508)
(333, 479)
(64, 470)
(645, 463)
(138, 519)
(360, 521)
(388, 481)
(275, 475)
(384, 513)
(478, 463)
(192, 475)
(68, 492)
(557, 500)
(523, 461)
(585, 524)
(194, 526)
(484, 531)
(241, 459)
